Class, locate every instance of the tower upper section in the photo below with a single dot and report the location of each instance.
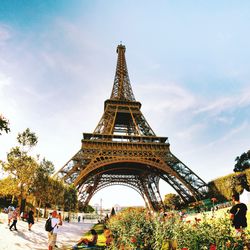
(122, 89)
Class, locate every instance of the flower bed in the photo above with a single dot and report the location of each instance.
(137, 229)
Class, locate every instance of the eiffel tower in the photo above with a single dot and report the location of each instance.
(124, 150)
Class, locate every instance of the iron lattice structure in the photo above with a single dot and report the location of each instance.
(124, 150)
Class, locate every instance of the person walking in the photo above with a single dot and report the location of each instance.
(59, 216)
(30, 219)
(238, 214)
(10, 212)
(52, 235)
(15, 215)
(60, 219)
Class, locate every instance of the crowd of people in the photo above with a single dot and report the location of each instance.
(56, 222)
(14, 214)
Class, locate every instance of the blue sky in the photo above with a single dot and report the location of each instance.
(188, 64)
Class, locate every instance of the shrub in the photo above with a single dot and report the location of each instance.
(137, 229)
(132, 229)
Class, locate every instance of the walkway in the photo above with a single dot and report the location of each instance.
(36, 239)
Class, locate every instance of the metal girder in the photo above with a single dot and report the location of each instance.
(123, 118)
(193, 182)
(146, 187)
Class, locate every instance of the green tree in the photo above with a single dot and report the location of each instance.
(112, 213)
(4, 125)
(242, 162)
(41, 187)
(46, 167)
(49, 193)
(85, 209)
(70, 198)
(27, 139)
(20, 165)
(55, 192)
(172, 201)
(22, 168)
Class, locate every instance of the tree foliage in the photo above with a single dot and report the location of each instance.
(27, 138)
(30, 178)
(9, 186)
(224, 187)
(4, 125)
(85, 209)
(41, 186)
(55, 192)
(242, 162)
(21, 166)
(112, 213)
(70, 198)
(172, 201)
(46, 167)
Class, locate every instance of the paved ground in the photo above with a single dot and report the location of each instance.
(36, 239)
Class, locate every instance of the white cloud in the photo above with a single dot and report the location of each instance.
(233, 102)
(167, 96)
(216, 106)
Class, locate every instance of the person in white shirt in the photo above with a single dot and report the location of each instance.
(52, 235)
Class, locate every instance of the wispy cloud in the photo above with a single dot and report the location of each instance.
(168, 96)
(222, 104)
(189, 132)
(229, 136)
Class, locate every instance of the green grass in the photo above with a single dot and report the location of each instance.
(221, 213)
